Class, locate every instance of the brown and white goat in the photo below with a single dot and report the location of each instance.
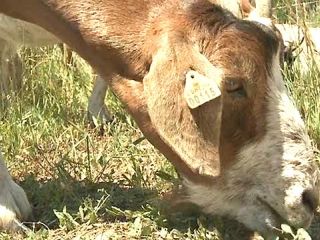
(245, 153)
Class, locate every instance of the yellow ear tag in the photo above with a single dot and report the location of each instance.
(199, 89)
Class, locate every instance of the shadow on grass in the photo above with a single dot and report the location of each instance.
(46, 195)
(189, 216)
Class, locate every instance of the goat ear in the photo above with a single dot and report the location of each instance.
(189, 125)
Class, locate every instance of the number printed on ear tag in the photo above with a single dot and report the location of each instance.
(199, 89)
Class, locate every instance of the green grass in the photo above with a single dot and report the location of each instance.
(305, 88)
(293, 11)
(85, 185)
(81, 183)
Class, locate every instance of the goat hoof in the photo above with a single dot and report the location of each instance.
(14, 206)
(99, 117)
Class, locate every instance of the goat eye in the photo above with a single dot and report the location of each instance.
(235, 88)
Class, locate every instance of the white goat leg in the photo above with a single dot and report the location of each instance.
(96, 106)
(264, 8)
(14, 204)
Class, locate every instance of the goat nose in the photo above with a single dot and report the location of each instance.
(310, 199)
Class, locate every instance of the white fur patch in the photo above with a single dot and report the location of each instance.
(14, 204)
(96, 106)
(255, 17)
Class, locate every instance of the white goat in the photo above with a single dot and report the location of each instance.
(15, 33)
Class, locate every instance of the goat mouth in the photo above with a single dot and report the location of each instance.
(274, 227)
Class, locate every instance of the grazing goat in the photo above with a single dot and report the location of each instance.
(16, 33)
(206, 89)
(304, 45)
